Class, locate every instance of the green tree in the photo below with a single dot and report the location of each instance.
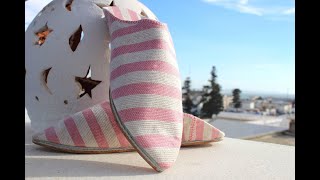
(212, 99)
(236, 98)
(187, 102)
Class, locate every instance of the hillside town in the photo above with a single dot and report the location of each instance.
(268, 118)
(267, 106)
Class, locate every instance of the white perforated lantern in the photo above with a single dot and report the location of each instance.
(67, 58)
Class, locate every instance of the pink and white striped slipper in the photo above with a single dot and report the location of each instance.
(94, 130)
(196, 131)
(145, 87)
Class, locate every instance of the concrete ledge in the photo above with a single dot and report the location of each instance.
(239, 129)
(244, 117)
(228, 159)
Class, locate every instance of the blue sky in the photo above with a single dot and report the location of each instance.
(251, 42)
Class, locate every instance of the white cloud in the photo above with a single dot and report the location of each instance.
(243, 1)
(289, 11)
(238, 5)
(32, 8)
(257, 7)
(249, 9)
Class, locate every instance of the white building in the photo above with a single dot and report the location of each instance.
(287, 108)
(271, 111)
(247, 105)
(227, 101)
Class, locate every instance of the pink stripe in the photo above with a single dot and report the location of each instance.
(74, 132)
(133, 15)
(148, 65)
(120, 136)
(199, 130)
(51, 135)
(117, 12)
(140, 26)
(159, 114)
(165, 165)
(147, 88)
(158, 140)
(95, 128)
(146, 45)
(192, 126)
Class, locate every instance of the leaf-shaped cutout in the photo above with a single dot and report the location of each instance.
(143, 14)
(75, 39)
(68, 5)
(42, 34)
(45, 74)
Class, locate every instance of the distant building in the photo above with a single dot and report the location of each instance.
(248, 105)
(227, 100)
(271, 111)
(283, 107)
(252, 105)
(287, 108)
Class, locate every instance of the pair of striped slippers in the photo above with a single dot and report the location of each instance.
(145, 109)
(95, 131)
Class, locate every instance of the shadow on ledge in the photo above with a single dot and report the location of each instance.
(36, 150)
(80, 168)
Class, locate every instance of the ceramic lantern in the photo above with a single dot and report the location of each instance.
(67, 58)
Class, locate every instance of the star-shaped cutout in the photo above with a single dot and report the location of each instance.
(87, 84)
(42, 34)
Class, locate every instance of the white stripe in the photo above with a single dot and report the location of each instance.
(84, 130)
(154, 127)
(221, 134)
(63, 134)
(138, 16)
(125, 14)
(142, 36)
(186, 127)
(207, 131)
(148, 101)
(146, 76)
(116, 25)
(152, 54)
(106, 126)
(163, 154)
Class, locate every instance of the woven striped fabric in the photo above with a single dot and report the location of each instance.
(145, 87)
(95, 129)
(197, 130)
(92, 127)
